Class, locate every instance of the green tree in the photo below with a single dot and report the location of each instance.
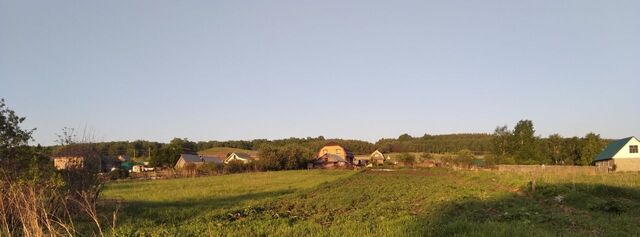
(524, 143)
(570, 152)
(296, 156)
(591, 146)
(554, 144)
(12, 137)
(464, 157)
(288, 157)
(407, 159)
(17, 159)
(405, 137)
(502, 142)
(270, 158)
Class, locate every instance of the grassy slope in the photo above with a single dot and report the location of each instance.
(407, 202)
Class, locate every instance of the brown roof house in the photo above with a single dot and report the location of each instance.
(77, 163)
(332, 155)
(186, 159)
(79, 157)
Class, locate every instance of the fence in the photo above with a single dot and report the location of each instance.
(157, 174)
(567, 169)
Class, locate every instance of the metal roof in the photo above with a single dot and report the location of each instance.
(243, 155)
(189, 158)
(612, 149)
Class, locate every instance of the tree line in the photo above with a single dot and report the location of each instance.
(522, 146)
(450, 143)
(166, 154)
(519, 145)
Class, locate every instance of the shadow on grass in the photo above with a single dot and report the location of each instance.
(552, 210)
(154, 213)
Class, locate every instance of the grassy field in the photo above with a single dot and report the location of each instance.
(422, 202)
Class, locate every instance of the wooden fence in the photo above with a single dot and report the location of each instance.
(568, 169)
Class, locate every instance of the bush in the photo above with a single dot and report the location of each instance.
(288, 157)
(447, 159)
(464, 158)
(407, 159)
(425, 156)
(611, 206)
(236, 166)
(490, 161)
(505, 160)
(210, 169)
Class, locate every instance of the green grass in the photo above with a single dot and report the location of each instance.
(422, 202)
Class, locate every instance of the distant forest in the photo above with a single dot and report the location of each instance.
(504, 146)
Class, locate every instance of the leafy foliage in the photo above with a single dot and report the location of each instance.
(464, 158)
(450, 143)
(11, 135)
(521, 146)
(407, 158)
(287, 157)
(15, 154)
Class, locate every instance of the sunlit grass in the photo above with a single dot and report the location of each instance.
(401, 203)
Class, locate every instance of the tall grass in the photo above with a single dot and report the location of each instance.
(49, 207)
(29, 209)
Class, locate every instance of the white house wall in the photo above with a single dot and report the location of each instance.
(624, 152)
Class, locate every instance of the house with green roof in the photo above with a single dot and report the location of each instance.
(620, 155)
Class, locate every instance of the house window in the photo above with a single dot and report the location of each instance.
(633, 149)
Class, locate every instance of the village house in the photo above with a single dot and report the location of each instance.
(81, 157)
(376, 158)
(332, 155)
(186, 159)
(239, 156)
(84, 163)
(620, 155)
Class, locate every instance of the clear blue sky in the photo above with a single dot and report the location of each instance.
(218, 70)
